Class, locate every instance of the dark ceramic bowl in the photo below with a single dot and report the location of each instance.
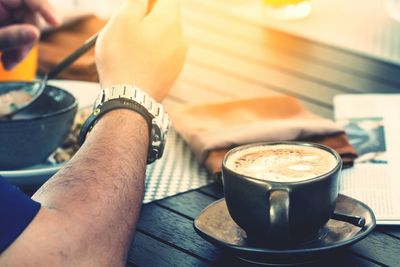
(32, 134)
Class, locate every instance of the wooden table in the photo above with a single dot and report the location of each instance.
(165, 237)
(230, 58)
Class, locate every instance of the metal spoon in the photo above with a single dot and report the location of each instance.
(17, 99)
(354, 220)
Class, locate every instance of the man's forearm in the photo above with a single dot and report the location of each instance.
(113, 155)
(98, 193)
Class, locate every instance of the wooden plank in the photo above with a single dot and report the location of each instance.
(352, 63)
(192, 203)
(148, 252)
(216, 14)
(280, 61)
(177, 231)
(188, 204)
(262, 75)
(214, 190)
(372, 247)
(342, 259)
(380, 248)
(390, 230)
(229, 87)
(194, 94)
(130, 264)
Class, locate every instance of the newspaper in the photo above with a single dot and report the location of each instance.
(372, 123)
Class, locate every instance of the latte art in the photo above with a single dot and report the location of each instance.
(281, 163)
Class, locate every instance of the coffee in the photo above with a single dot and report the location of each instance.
(282, 162)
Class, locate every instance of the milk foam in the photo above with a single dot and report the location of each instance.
(282, 163)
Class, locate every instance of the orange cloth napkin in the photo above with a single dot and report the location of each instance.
(212, 129)
(54, 46)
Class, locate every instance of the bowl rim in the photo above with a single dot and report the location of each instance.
(70, 107)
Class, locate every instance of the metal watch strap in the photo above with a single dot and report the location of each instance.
(133, 98)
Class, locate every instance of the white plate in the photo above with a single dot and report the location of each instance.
(86, 93)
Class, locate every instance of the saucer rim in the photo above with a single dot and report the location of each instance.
(282, 251)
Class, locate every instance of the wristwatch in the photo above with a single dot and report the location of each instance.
(127, 96)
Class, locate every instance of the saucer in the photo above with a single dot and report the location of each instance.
(216, 226)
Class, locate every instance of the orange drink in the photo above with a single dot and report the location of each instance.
(24, 71)
(286, 9)
(281, 2)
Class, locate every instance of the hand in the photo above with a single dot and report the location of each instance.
(141, 47)
(18, 32)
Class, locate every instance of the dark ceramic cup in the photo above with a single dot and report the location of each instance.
(281, 213)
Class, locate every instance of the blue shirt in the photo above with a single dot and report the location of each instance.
(17, 210)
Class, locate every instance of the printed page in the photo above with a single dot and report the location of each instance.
(372, 123)
(371, 184)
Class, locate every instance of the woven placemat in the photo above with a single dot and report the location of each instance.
(177, 171)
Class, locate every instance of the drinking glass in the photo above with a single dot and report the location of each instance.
(24, 71)
(286, 9)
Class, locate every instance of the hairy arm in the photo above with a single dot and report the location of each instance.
(90, 208)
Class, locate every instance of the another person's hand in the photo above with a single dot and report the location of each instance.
(19, 32)
(142, 47)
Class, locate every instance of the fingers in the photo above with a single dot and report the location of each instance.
(11, 58)
(12, 3)
(16, 36)
(35, 6)
(3, 13)
(45, 10)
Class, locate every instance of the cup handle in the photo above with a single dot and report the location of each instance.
(279, 214)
